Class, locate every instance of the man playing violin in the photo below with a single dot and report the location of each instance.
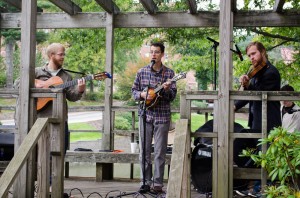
(263, 76)
(266, 78)
(156, 121)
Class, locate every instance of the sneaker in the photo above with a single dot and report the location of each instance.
(144, 189)
(243, 193)
(247, 193)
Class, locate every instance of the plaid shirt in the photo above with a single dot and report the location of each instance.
(161, 112)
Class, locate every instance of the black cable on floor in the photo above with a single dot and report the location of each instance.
(94, 193)
(76, 189)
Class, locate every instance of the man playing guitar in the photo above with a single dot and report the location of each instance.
(56, 55)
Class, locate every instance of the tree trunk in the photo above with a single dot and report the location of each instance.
(9, 51)
(92, 87)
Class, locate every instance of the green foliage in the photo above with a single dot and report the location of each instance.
(122, 123)
(94, 96)
(124, 82)
(281, 160)
(2, 74)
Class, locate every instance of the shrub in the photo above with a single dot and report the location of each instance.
(281, 161)
(122, 123)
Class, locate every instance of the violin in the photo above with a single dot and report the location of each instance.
(253, 71)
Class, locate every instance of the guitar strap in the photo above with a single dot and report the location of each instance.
(75, 72)
(163, 74)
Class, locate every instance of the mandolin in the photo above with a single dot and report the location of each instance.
(57, 82)
(155, 93)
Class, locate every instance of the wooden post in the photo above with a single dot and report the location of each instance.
(57, 137)
(264, 135)
(224, 107)
(24, 183)
(107, 138)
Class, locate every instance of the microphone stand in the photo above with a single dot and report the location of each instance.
(214, 46)
(144, 189)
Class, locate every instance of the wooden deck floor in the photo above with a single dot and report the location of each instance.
(109, 189)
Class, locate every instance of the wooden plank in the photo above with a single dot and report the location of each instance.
(243, 173)
(192, 6)
(225, 85)
(150, 6)
(175, 182)
(278, 6)
(106, 157)
(109, 6)
(67, 5)
(19, 159)
(159, 20)
(43, 164)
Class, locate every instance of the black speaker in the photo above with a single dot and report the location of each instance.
(6, 146)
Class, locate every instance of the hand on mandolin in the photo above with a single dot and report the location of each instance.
(167, 85)
(244, 80)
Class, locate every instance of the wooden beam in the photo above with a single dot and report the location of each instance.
(18, 4)
(67, 5)
(192, 6)
(109, 6)
(278, 6)
(161, 19)
(150, 6)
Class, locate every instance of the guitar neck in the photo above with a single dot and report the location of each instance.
(73, 82)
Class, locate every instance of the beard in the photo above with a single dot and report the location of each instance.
(58, 62)
(258, 62)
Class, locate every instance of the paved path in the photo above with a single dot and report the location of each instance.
(73, 117)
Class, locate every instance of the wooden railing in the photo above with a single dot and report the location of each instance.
(39, 129)
(240, 173)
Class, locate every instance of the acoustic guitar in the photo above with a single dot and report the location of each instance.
(155, 93)
(57, 82)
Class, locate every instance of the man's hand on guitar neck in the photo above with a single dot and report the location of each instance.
(81, 85)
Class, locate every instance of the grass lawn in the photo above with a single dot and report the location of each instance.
(80, 136)
(199, 119)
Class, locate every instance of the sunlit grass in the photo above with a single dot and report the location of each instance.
(83, 136)
(199, 119)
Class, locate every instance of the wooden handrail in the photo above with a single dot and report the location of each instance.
(22, 154)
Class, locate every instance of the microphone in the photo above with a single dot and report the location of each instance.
(238, 51)
(152, 63)
(212, 40)
(291, 111)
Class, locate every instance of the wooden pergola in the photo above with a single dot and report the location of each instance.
(30, 18)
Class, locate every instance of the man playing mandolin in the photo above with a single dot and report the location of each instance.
(263, 76)
(45, 74)
(153, 87)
